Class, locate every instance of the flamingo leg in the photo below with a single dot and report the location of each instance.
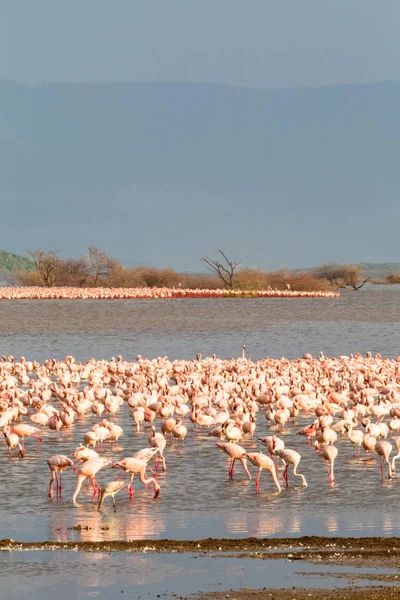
(232, 465)
(246, 470)
(57, 484)
(51, 484)
(94, 491)
(40, 441)
(258, 489)
(285, 475)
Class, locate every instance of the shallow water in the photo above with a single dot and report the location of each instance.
(197, 499)
(45, 575)
(368, 320)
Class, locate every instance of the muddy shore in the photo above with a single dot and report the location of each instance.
(382, 553)
(325, 549)
(351, 593)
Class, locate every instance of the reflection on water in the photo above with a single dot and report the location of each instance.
(45, 575)
(197, 499)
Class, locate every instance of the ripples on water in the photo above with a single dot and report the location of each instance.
(197, 500)
(46, 575)
(354, 322)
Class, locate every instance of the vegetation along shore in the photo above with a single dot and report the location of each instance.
(97, 269)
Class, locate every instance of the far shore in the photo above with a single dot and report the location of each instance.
(102, 293)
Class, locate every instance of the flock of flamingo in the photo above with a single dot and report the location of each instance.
(354, 397)
(102, 293)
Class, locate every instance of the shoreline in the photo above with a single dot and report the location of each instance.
(306, 548)
(72, 293)
(372, 562)
(381, 592)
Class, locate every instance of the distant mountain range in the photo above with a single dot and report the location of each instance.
(161, 174)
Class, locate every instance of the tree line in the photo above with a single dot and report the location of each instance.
(97, 268)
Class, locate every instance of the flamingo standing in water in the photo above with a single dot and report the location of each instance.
(291, 457)
(397, 456)
(235, 452)
(262, 461)
(136, 465)
(329, 453)
(12, 441)
(23, 430)
(179, 432)
(57, 464)
(89, 469)
(157, 440)
(384, 449)
(355, 436)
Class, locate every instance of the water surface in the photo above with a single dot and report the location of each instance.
(197, 499)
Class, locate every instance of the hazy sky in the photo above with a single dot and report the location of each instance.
(259, 43)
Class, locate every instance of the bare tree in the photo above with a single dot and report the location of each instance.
(47, 265)
(73, 271)
(226, 269)
(99, 264)
(348, 277)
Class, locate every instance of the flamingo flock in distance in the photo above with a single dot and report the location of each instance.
(102, 293)
(352, 399)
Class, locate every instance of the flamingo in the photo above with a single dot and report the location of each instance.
(384, 449)
(262, 461)
(168, 425)
(12, 441)
(355, 436)
(231, 432)
(249, 427)
(136, 465)
(179, 431)
(57, 464)
(369, 443)
(89, 469)
(397, 442)
(235, 452)
(157, 440)
(291, 457)
(310, 431)
(329, 453)
(23, 431)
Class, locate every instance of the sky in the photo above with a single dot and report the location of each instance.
(263, 44)
(259, 43)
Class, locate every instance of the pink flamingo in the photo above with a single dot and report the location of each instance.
(383, 449)
(291, 457)
(23, 431)
(157, 440)
(89, 469)
(57, 464)
(329, 453)
(136, 465)
(262, 461)
(235, 452)
(179, 432)
(12, 441)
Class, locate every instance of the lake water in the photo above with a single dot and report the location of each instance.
(36, 575)
(197, 500)
(368, 320)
